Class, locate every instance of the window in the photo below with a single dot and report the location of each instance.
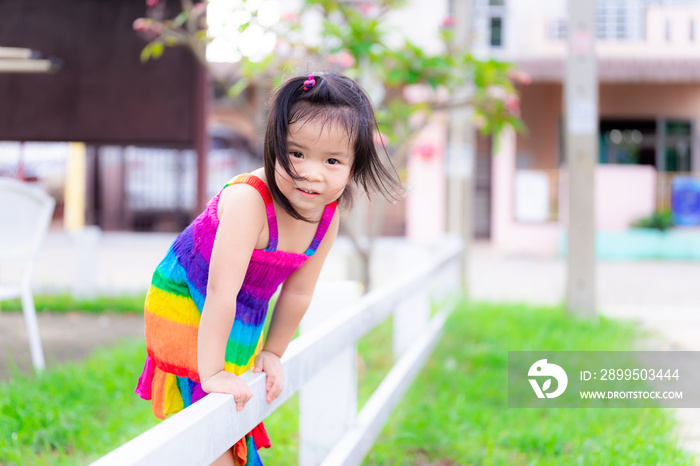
(691, 31)
(665, 144)
(557, 29)
(496, 29)
(495, 21)
(677, 146)
(621, 20)
(627, 142)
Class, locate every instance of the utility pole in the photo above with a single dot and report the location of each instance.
(460, 152)
(581, 116)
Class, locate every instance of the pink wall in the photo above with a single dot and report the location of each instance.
(623, 194)
(507, 235)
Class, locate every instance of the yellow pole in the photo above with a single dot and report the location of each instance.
(74, 207)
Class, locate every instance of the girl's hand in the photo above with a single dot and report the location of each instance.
(226, 382)
(271, 364)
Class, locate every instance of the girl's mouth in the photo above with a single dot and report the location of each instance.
(307, 192)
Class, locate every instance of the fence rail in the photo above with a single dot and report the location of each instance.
(331, 432)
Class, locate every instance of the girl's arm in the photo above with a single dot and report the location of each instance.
(296, 295)
(241, 221)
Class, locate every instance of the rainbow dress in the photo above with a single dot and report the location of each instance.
(174, 305)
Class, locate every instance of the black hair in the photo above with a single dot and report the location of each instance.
(336, 99)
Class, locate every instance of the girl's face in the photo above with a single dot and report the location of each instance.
(322, 155)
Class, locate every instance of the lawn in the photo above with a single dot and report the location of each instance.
(74, 413)
(455, 412)
(464, 388)
(67, 303)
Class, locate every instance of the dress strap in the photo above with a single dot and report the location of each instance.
(260, 185)
(326, 218)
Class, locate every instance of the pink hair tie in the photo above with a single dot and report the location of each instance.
(309, 83)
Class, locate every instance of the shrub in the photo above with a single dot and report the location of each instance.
(660, 220)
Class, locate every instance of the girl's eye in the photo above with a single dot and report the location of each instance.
(297, 155)
(333, 161)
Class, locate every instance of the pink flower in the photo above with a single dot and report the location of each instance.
(347, 60)
(513, 104)
(290, 16)
(449, 21)
(425, 151)
(519, 76)
(344, 59)
(157, 28)
(365, 8)
(142, 24)
(151, 3)
(198, 8)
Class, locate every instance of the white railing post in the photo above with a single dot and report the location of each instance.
(412, 314)
(446, 283)
(328, 402)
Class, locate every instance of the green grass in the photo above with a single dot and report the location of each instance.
(75, 413)
(464, 389)
(455, 412)
(67, 303)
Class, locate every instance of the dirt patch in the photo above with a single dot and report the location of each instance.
(65, 337)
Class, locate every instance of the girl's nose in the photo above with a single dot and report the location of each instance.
(312, 172)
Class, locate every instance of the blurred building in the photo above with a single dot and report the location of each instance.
(649, 73)
(133, 187)
(649, 104)
(142, 124)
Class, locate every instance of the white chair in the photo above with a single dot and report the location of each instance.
(25, 214)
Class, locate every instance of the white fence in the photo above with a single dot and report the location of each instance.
(322, 361)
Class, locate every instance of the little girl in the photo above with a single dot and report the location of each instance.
(209, 297)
